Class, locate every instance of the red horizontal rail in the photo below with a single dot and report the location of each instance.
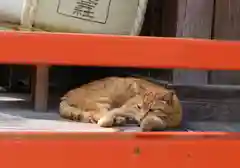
(118, 150)
(105, 50)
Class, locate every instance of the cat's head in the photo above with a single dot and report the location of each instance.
(155, 109)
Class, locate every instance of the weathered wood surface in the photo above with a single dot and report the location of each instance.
(194, 20)
(41, 88)
(226, 27)
(210, 103)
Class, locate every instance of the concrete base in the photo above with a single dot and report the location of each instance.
(16, 114)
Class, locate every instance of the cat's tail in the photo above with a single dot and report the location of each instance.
(72, 113)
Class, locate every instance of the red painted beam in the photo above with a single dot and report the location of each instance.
(119, 150)
(105, 50)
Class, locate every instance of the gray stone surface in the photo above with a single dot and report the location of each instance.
(21, 121)
(16, 115)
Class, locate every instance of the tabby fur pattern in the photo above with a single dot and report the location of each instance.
(112, 101)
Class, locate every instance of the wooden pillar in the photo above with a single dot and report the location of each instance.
(194, 20)
(41, 88)
(226, 27)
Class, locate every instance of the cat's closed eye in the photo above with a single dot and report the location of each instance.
(138, 106)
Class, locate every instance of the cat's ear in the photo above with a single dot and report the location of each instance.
(168, 97)
(148, 96)
(148, 99)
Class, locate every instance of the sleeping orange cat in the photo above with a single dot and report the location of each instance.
(112, 101)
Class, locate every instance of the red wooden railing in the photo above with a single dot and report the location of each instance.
(139, 150)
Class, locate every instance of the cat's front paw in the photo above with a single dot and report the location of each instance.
(105, 122)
